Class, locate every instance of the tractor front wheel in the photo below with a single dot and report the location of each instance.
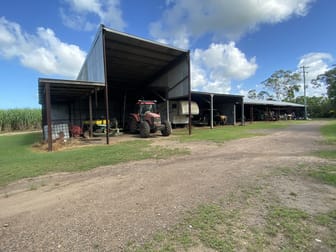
(167, 130)
(144, 129)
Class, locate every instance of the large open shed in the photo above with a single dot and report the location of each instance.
(267, 110)
(225, 104)
(119, 69)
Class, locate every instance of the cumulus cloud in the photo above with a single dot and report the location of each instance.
(43, 51)
(315, 63)
(185, 19)
(88, 14)
(214, 68)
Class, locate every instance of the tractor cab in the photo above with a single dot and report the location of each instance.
(146, 106)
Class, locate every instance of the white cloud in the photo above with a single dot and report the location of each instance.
(185, 19)
(214, 68)
(88, 14)
(43, 51)
(315, 63)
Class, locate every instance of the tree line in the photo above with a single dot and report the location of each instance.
(282, 85)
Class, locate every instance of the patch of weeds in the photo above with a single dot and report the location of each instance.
(204, 225)
(283, 171)
(33, 187)
(257, 240)
(250, 219)
(328, 154)
(163, 152)
(292, 224)
(184, 239)
(213, 226)
(328, 220)
(325, 174)
(251, 192)
(328, 131)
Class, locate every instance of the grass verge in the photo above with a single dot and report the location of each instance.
(328, 132)
(225, 133)
(19, 161)
(325, 174)
(215, 227)
(250, 219)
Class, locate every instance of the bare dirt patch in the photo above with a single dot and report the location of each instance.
(103, 209)
(303, 194)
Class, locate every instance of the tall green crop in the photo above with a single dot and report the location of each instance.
(20, 119)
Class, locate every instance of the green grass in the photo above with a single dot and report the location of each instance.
(329, 132)
(221, 229)
(225, 133)
(18, 160)
(328, 220)
(215, 135)
(291, 223)
(328, 154)
(325, 174)
(213, 226)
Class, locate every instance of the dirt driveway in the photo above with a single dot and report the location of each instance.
(109, 206)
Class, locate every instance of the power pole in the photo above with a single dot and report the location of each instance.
(304, 91)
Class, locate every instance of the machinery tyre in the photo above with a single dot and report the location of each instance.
(132, 125)
(144, 129)
(167, 129)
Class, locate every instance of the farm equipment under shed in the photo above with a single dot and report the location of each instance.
(99, 128)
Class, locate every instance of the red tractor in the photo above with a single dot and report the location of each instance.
(147, 121)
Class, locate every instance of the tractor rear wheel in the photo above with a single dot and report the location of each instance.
(167, 130)
(132, 125)
(144, 129)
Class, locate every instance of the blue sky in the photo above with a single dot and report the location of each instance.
(234, 44)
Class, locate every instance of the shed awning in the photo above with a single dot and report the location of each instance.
(218, 97)
(67, 90)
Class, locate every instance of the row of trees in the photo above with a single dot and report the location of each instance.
(283, 84)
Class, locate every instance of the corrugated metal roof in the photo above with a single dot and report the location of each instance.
(216, 94)
(67, 90)
(272, 103)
